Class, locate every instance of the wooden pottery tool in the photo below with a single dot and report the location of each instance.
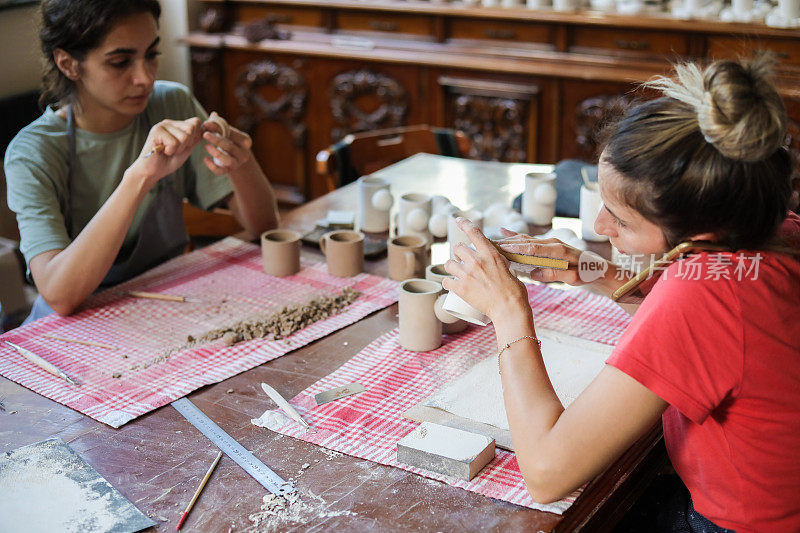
(78, 341)
(534, 260)
(338, 393)
(154, 149)
(285, 406)
(159, 296)
(41, 363)
(198, 491)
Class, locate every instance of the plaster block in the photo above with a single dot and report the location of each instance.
(449, 451)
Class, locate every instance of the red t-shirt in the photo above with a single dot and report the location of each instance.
(719, 340)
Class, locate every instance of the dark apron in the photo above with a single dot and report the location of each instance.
(162, 234)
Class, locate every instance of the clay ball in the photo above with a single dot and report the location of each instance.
(439, 202)
(382, 200)
(545, 194)
(494, 215)
(438, 225)
(417, 220)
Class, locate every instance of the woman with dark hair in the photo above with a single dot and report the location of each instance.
(713, 351)
(97, 182)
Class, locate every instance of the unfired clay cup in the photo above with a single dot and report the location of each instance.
(450, 324)
(420, 330)
(344, 252)
(280, 252)
(408, 257)
(459, 308)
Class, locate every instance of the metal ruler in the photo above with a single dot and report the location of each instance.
(271, 481)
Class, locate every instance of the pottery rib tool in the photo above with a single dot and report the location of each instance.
(338, 393)
(41, 363)
(197, 492)
(533, 260)
(159, 296)
(285, 406)
(78, 341)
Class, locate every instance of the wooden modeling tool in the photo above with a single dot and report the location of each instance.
(533, 260)
(41, 363)
(197, 492)
(159, 296)
(285, 406)
(78, 341)
(156, 148)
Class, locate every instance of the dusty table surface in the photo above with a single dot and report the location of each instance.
(158, 460)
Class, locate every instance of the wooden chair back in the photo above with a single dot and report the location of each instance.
(373, 150)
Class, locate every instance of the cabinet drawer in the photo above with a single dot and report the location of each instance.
(294, 16)
(521, 32)
(787, 51)
(628, 42)
(388, 23)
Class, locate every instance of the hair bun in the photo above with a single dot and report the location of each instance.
(738, 109)
(742, 114)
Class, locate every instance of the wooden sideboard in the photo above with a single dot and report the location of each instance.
(525, 85)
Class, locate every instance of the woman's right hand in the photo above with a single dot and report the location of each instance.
(173, 141)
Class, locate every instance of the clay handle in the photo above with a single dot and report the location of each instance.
(322, 244)
(440, 313)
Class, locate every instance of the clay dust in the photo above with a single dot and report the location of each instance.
(283, 323)
(278, 512)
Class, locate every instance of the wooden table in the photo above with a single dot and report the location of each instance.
(158, 459)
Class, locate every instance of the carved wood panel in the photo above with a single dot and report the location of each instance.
(364, 100)
(592, 115)
(500, 118)
(269, 94)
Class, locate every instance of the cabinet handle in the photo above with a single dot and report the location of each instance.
(631, 45)
(494, 33)
(380, 25)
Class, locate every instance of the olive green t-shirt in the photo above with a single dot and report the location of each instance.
(37, 168)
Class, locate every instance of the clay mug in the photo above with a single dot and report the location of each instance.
(408, 256)
(420, 330)
(374, 203)
(344, 252)
(280, 252)
(454, 233)
(414, 213)
(539, 198)
(450, 324)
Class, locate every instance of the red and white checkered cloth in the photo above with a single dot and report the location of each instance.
(369, 424)
(228, 284)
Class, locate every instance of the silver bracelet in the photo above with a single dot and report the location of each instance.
(508, 345)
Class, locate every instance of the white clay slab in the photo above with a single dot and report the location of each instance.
(446, 450)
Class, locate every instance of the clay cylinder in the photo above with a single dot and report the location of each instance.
(344, 252)
(280, 252)
(414, 213)
(370, 218)
(437, 273)
(420, 330)
(408, 257)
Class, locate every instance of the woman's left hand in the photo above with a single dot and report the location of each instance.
(229, 147)
(483, 277)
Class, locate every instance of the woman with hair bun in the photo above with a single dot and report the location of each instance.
(97, 182)
(713, 350)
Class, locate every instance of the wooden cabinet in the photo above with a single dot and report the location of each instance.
(525, 85)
